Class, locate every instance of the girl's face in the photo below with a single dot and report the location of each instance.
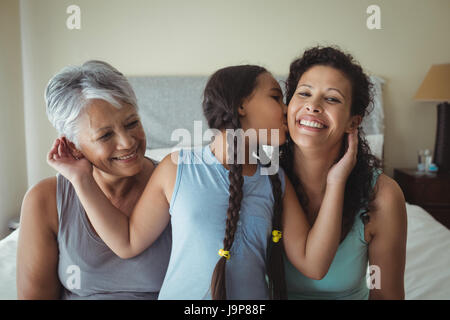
(112, 139)
(265, 109)
(319, 111)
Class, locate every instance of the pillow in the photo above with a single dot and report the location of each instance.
(159, 153)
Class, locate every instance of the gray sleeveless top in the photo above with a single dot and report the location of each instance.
(88, 269)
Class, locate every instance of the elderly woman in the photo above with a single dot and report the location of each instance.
(60, 254)
(328, 95)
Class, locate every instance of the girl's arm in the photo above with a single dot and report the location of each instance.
(126, 236)
(312, 250)
(387, 247)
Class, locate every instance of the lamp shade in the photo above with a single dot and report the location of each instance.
(436, 85)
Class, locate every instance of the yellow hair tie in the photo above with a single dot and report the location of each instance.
(224, 253)
(277, 235)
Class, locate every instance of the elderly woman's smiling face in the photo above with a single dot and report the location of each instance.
(319, 111)
(112, 138)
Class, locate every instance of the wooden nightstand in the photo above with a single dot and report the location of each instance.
(429, 191)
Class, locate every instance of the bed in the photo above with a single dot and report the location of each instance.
(171, 103)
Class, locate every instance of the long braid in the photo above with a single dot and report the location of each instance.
(218, 281)
(275, 265)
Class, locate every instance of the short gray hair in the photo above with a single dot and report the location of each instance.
(69, 91)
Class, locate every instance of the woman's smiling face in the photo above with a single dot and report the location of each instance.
(319, 110)
(112, 138)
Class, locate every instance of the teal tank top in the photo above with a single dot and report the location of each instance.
(346, 278)
(198, 212)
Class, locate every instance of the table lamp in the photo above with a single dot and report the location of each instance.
(436, 87)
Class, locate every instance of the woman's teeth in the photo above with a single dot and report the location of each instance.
(312, 124)
(126, 157)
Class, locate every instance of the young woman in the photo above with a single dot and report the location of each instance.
(326, 86)
(217, 206)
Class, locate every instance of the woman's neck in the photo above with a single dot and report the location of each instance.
(115, 187)
(311, 165)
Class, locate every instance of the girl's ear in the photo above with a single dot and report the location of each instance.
(355, 121)
(241, 111)
(77, 154)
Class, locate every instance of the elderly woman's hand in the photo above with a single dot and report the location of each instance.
(340, 171)
(66, 164)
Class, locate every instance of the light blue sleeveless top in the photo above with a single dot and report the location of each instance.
(346, 278)
(198, 214)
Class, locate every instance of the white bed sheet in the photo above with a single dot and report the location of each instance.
(427, 272)
(8, 248)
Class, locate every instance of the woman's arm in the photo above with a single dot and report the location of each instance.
(387, 247)
(312, 250)
(37, 251)
(126, 236)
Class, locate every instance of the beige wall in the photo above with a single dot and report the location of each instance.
(13, 175)
(142, 37)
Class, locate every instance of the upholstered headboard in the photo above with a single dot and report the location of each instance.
(167, 103)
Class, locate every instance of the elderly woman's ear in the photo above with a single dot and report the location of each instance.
(77, 154)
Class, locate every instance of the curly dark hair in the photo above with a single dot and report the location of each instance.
(223, 95)
(358, 191)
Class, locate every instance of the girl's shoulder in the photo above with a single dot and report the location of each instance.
(165, 173)
(170, 161)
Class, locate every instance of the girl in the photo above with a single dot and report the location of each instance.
(218, 206)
